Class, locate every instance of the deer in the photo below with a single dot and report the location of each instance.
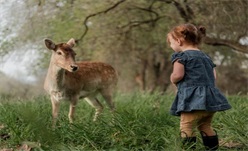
(69, 80)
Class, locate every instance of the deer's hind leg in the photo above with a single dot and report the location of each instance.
(95, 104)
(108, 96)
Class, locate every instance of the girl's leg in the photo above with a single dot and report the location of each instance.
(209, 136)
(188, 122)
(204, 124)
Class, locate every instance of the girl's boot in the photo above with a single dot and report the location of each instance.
(211, 143)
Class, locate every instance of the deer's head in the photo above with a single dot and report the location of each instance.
(63, 55)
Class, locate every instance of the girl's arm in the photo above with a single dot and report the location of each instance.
(215, 76)
(178, 72)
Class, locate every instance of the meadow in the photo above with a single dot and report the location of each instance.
(141, 122)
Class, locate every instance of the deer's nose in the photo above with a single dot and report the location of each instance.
(74, 67)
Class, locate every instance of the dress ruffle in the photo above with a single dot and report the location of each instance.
(199, 98)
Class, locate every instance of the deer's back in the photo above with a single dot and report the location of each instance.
(91, 76)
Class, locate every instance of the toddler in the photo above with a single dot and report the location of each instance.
(197, 98)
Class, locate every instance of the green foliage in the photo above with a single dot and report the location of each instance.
(233, 125)
(142, 122)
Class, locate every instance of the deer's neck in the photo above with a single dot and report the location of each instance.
(55, 78)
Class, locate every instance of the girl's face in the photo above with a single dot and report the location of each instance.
(174, 43)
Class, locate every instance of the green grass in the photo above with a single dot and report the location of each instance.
(142, 122)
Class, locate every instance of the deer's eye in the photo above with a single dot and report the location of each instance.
(59, 53)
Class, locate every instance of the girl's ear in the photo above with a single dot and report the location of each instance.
(180, 42)
(71, 42)
(50, 44)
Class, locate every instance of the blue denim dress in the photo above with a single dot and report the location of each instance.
(197, 90)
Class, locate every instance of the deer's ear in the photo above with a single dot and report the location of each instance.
(71, 42)
(50, 44)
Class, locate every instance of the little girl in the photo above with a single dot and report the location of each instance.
(197, 98)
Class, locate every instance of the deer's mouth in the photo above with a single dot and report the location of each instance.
(72, 68)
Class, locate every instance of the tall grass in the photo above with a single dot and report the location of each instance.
(141, 122)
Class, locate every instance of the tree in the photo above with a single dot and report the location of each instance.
(214, 15)
(131, 35)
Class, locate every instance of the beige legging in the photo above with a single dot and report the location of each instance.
(196, 119)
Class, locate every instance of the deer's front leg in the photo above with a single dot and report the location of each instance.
(73, 103)
(55, 109)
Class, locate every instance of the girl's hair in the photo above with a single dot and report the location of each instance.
(188, 32)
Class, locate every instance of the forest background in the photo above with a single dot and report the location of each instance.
(128, 34)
